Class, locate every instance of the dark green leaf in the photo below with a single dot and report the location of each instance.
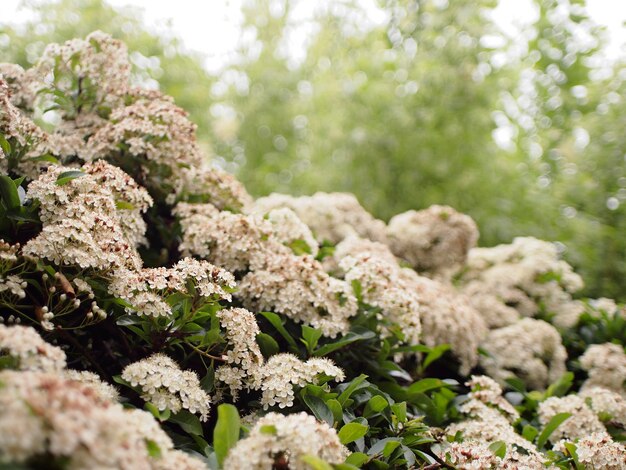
(319, 408)
(8, 193)
(189, 422)
(277, 323)
(267, 344)
(358, 334)
(354, 384)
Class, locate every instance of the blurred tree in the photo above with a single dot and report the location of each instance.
(398, 113)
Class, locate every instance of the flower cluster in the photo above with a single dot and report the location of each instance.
(278, 440)
(166, 386)
(609, 405)
(276, 377)
(606, 366)
(330, 216)
(23, 135)
(436, 239)
(598, 450)
(275, 277)
(298, 287)
(488, 419)
(529, 349)
(527, 275)
(582, 422)
(82, 224)
(290, 230)
(45, 414)
(30, 352)
(146, 289)
(381, 286)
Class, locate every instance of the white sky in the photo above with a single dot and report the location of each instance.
(212, 26)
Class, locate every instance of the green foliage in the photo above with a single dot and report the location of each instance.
(226, 432)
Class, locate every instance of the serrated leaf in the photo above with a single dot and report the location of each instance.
(529, 432)
(310, 337)
(335, 408)
(425, 385)
(351, 432)
(5, 145)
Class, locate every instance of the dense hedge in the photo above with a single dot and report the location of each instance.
(156, 316)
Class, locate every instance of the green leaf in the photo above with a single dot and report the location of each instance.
(399, 409)
(357, 459)
(226, 433)
(152, 409)
(154, 450)
(529, 432)
(381, 446)
(554, 423)
(267, 344)
(498, 448)
(68, 176)
(269, 429)
(189, 422)
(5, 145)
(300, 247)
(434, 354)
(425, 385)
(277, 323)
(310, 337)
(561, 387)
(376, 404)
(315, 462)
(335, 408)
(123, 205)
(354, 384)
(351, 432)
(357, 334)
(572, 451)
(319, 408)
(8, 193)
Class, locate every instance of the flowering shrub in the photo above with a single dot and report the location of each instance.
(155, 316)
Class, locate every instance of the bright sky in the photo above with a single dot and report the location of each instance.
(212, 26)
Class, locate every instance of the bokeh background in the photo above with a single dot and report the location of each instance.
(513, 112)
